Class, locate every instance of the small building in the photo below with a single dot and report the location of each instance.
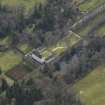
(36, 57)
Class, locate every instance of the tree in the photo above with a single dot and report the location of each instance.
(59, 94)
(52, 20)
(25, 93)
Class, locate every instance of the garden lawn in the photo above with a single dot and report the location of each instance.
(90, 4)
(61, 46)
(92, 87)
(28, 4)
(8, 60)
(85, 29)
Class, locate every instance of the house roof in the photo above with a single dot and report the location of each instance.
(36, 58)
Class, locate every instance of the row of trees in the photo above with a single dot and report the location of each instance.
(27, 93)
(21, 93)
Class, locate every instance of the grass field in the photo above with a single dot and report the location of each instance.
(61, 46)
(8, 60)
(5, 41)
(92, 88)
(28, 4)
(91, 4)
(101, 30)
(25, 48)
(85, 29)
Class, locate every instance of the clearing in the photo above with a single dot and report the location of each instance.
(92, 87)
(89, 5)
(8, 60)
(28, 4)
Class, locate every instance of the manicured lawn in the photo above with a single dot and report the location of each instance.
(46, 53)
(61, 46)
(91, 4)
(92, 87)
(8, 60)
(28, 4)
